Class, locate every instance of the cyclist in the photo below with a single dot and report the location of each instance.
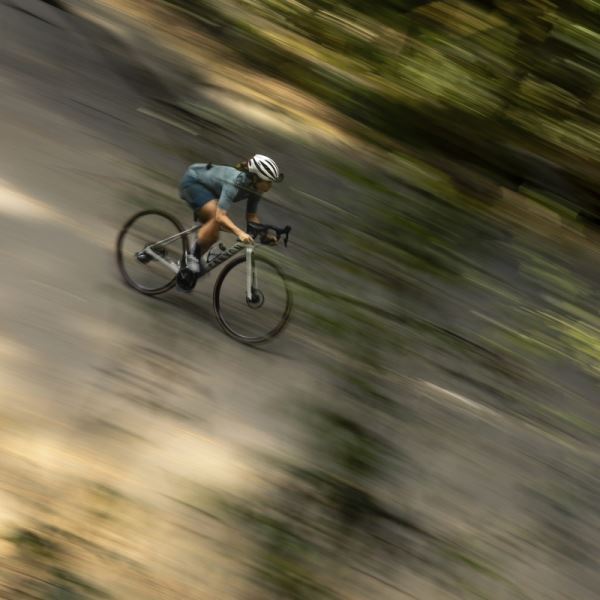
(210, 190)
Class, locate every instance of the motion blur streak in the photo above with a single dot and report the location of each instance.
(427, 426)
(17, 205)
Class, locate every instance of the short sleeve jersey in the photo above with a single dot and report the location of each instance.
(228, 184)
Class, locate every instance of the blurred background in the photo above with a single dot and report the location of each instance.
(428, 425)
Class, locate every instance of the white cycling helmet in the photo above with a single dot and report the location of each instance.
(265, 168)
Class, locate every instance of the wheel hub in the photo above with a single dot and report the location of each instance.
(258, 299)
(145, 258)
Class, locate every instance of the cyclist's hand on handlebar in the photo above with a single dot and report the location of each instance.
(245, 238)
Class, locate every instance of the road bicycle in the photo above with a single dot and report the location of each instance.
(252, 299)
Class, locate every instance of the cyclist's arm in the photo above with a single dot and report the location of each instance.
(224, 221)
(228, 194)
(252, 208)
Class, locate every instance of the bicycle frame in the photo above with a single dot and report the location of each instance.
(251, 279)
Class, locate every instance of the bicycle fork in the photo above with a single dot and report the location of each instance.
(251, 280)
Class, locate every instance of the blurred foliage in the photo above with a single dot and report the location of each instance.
(473, 96)
(506, 86)
(43, 568)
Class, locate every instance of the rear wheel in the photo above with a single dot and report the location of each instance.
(266, 314)
(143, 232)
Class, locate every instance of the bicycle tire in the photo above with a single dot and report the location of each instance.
(121, 255)
(223, 321)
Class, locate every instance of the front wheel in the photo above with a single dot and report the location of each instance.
(256, 320)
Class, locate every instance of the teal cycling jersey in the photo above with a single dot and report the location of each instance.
(228, 184)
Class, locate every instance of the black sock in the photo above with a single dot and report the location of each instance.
(197, 250)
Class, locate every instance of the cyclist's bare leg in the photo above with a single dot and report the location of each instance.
(208, 234)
